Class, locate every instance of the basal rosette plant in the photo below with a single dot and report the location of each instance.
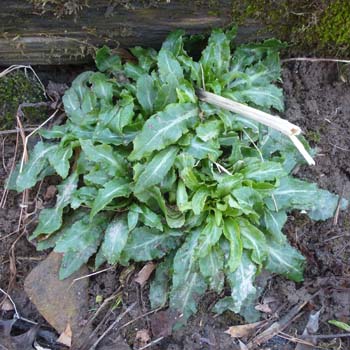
(149, 172)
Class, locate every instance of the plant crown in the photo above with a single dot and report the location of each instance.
(149, 172)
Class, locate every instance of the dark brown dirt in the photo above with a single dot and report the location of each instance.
(317, 99)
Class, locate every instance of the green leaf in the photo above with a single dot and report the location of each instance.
(209, 130)
(113, 189)
(185, 92)
(233, 235)
(115, 239)
(159, 286)
(199, 199)
(79, 242)
(241, 282)
(59, 159)
(101, 86)
(209, 236)
(104, 154)
(50, 219)
(342, 325)
(201, 150)
(216, 56)
(263, 171)
(146, 93)
(211, 268)
(174, 42)
(147, 57)
(83, 196)
(170, 70)
(263, 96)
(253, 239)
(226, 183)
(147, 216)
(73, 260)
(146, 244)
(106, 61)
(182, 197)
(188, 284)
(133, 219)
(38, 161)
(164, 97)
(285, 260)
(81, 233)
(274, 222)
(156, 169)
(297, 194)
(164, 129)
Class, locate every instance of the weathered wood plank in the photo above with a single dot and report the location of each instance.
(27, 37)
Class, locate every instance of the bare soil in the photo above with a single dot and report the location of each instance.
(317, 99)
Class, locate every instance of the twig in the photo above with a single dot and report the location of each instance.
(118, 319)
(12, 302)
(277, 123)
(314, 59)
(327, 336)
(14, 131)
(295, 339)
(153, 342)
(92, 274)
(336, 215)
(139, 317)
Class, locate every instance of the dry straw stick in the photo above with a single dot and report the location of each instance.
(277, 123)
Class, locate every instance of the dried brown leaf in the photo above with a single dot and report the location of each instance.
(244, 330)
(145, 273)
(142, 338)
(7, 305)
(66, 337)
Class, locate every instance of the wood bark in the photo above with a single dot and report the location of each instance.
(29, 37)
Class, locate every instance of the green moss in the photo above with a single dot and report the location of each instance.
(334, 25)
(320, 26)
(17, 88)
(313, 136)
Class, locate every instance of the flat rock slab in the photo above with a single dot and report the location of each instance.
(59, 302)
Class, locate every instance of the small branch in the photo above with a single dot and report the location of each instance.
(275, 122)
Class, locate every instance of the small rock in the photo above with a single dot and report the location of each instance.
(59, 302)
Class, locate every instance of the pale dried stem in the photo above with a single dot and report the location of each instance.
(314, 59)
(274, 122)
(26, 138)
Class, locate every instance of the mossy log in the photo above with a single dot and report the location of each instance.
(28, 36)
